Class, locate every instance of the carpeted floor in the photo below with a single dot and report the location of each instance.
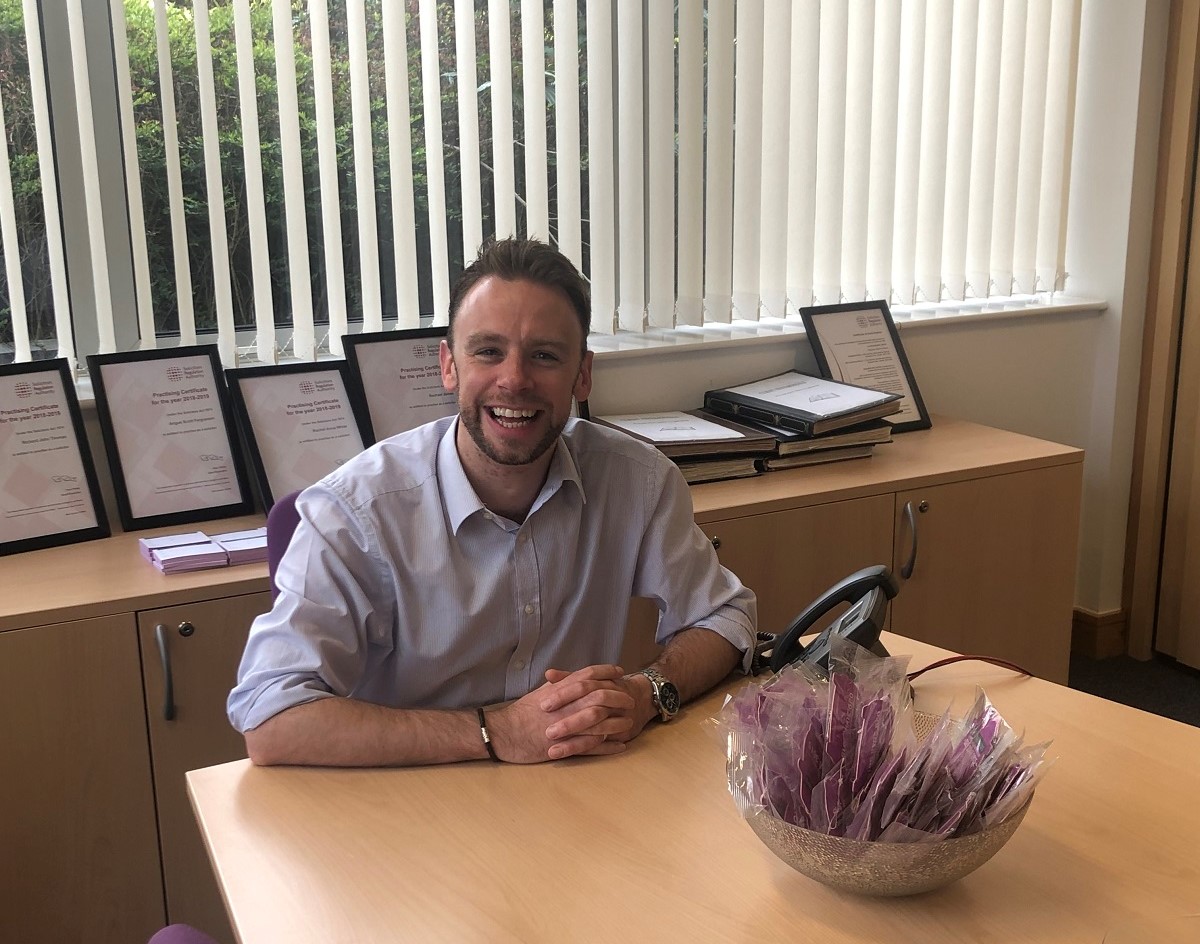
(1160, 685)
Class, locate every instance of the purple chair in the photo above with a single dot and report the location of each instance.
(181, 934)
(281, 522)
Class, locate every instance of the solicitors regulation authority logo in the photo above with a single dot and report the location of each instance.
(307, 387)
(174, 374)
(23, 391)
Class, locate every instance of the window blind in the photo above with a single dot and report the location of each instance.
(329, 167)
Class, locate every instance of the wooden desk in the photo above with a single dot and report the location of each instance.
(648, 845)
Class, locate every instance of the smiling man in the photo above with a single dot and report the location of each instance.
(460, 591)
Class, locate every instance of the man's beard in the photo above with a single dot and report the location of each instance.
(471, 417)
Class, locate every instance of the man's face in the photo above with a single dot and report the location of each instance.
(515, 364)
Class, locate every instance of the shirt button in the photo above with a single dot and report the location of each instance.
(528, 609)
(489, 516)
(519, 664)
(522, 538)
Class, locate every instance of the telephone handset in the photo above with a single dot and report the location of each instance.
(869, 590)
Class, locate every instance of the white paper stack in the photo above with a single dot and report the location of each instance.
(185, 557)
(149, 545)
(244, 547)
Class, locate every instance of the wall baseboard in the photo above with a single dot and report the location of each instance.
(1099, 635)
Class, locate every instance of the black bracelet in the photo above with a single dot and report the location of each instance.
(487, 738)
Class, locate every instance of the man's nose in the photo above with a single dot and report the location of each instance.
(514, 373)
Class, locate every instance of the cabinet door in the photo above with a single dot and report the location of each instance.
(78, 845)
(787, 558)
(994, 571)
(203, 644)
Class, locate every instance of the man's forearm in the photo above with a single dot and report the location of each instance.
(343, 732)
(696, 660)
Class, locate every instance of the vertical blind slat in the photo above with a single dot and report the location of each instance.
(908, 151)
(435, 165)
(772, 240)
(256, 204)
(802, 147)
(984, 131)
(631, 251)
(1008, 145)
(468, 127)
(143, 298)
(1029, 161)
(860, 64)
(718, 199)
(881, 189)
(1064, 21)
(831, 152)
(170, 125)
(747, 157)
(601, 179)
(689, 306)
(327, 164)
(105, 326)
(504, 172)
(931, 186)
(218, 236)
(958, 150)
(533, 89)
(567, 161)
(364, 179)
(660, 184)
(304, 342)
(399, 115)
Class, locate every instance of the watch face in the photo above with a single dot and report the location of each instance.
(668, 695)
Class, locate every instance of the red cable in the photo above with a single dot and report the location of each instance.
(947, 661)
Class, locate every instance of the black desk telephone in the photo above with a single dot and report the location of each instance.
(868, 590)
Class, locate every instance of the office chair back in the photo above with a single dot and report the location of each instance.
(281, 522)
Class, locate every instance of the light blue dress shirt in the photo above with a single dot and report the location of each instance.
(400, 588)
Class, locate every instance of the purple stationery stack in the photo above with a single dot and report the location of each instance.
(179, 553)
(244, 547)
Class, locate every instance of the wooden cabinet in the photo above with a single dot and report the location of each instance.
(993, 566)
(190, 655)
(994, 517)
(97, 840)
(78, 843)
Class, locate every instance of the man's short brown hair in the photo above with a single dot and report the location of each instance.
(529, 260)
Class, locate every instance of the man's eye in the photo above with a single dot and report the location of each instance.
(546, 356)
(487, 352)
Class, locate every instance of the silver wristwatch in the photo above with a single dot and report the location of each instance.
(664, 693)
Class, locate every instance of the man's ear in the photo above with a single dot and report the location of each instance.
(446, 361)
(583, 382)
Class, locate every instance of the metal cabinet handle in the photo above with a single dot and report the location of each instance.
(716, 542)
(164, 654)
(160, 636)
(910, 518)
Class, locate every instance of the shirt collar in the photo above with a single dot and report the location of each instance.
(458, 496)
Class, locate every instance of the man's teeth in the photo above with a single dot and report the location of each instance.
(504, 413)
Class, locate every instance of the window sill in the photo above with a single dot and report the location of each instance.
(771, 330)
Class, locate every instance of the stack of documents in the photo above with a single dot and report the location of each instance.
(705, 447)
(195, 550)
(803, 404)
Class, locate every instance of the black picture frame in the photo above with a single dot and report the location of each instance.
(857, 343)
(366, 355)
(28, 379)
(371, 355)
(275, 475)
(174, 503)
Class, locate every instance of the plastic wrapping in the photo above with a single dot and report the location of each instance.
(840, 756)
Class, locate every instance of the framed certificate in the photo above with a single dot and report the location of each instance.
(169, 436)
(49, 494)
(299, 422)
(398, 377)
(857, 343)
